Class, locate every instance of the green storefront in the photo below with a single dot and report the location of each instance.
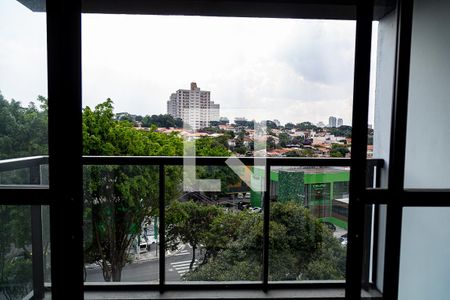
(315, 188)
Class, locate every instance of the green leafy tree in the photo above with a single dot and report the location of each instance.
(270, 143)
(289, 126)
(189, 222)
(271, 124)
(162, 121)
(285, 139)
(297, 140)
(23, 130)
(297, 243)
(306, 126)
(118, 199)
(208, 146)
(344, 130)
(338, 150)
(223, 230)
(15, 251)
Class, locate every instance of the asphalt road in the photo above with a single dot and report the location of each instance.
(148, 270)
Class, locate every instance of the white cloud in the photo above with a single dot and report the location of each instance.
(291, 70)
(253, 67)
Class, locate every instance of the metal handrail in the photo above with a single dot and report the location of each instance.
(26, 162)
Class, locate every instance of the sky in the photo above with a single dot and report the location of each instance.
(285, 69)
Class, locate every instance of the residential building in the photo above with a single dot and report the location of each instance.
(332, 121)
(194, 107)
(340, 122)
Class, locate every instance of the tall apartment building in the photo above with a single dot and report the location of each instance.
(340, 122)
(332, 121)
(194, 107)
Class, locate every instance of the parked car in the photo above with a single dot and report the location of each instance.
(255, 209)
(343, 240)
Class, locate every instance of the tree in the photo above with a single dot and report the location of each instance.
(15, 251)
(189, 222)
(208, 146)
(285, 139)
(338, 150)
(271, 124)
(297, 243)
(297, 140)
(306, 126)
(289, 126)
(343, 130)
(23, 130)
(270, 143)
(118, 199)
(162, 121)
(222, 231)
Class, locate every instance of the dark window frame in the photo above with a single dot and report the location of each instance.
(65, 147)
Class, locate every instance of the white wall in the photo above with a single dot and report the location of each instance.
(428, 137)
(425, 250)
(425, 254)
(384, 90)
(382, 118)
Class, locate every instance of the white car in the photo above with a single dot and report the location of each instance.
(255, 209)
(343, 240)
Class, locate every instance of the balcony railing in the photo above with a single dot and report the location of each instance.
(36, 180)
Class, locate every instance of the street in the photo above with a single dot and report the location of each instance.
(148, 270)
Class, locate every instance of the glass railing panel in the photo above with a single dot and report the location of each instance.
(121, 223)
(308, 223)
(214, 227)
(16, 277)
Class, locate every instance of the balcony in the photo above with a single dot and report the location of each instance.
(31, 173)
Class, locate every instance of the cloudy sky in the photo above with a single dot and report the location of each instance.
(290, 70)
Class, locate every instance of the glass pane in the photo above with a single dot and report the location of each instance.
(428, 129)
(23, 78)
(424, 263)
(15, 252)
(309, 216)
(46, 243)
(36, 173)
(286, 98)
(382, 68)
(213, 233)
(121, 223)
(301, 82)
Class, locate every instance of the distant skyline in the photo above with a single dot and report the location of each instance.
(285, 69)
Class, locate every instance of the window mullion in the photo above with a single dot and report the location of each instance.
(364, 16)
